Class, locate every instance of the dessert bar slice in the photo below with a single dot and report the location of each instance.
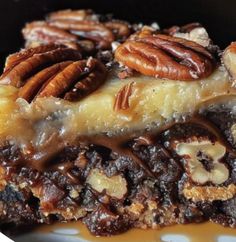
(145, 138)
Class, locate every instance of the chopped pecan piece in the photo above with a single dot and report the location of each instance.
(194, 32)
(166, 57)
(122, 97)
(56, 72)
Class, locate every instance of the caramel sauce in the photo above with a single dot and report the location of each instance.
(205, 232)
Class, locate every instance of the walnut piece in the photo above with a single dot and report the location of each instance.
(196, 151)
(165, 57)
(115, 186)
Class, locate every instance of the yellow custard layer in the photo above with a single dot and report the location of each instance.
(153, 103)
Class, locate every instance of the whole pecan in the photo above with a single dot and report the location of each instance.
(53, 71)
(40, 32)
(182, 29)
(88, 30)
(18, 74)
(166, 57)
(78, 29)
(82, 14)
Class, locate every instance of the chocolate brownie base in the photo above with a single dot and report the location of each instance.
(113, 184)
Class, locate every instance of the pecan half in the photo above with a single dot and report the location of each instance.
(40, 31)
(122, 97)
(18, 74)
(16, 58)
(166, 57)
(83, 14)
(93, 76)
(119, 28)
(88, 30)
(78, 29)
(53, 71)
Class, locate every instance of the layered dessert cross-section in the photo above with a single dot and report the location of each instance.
(117, 125)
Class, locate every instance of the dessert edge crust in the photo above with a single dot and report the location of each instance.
(117, 125)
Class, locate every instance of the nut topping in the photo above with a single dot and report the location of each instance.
(50, 71)
(122, 97)
(115, 186)
(166, 57)
(44, 33)
(77, 29)
(16, 58)
(119, 28)
(16, 76)
(203, 161)
(209, 193)
(229, 59)
(83, 14)
(193, 31)
(88, 30)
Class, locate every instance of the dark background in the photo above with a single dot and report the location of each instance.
(219, 16)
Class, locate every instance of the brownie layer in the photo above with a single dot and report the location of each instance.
(115, 183)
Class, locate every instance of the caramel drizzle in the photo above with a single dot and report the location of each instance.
(42, 160)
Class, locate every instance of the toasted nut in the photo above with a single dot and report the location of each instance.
(3, 182)
(209, 193)
(198, 35)
(229, 59)
(83, 14)
(95, 75)
(193, 31)
(16, 76)
(166, 57)
(87, 29)
(115, 186)
(35, 83)
(183, 29)
(210, 152)
(17, 58)
(44, 33)
(60, 76)
(122, 97)
(119, 28)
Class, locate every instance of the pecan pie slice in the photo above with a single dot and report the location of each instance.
(146, 140)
